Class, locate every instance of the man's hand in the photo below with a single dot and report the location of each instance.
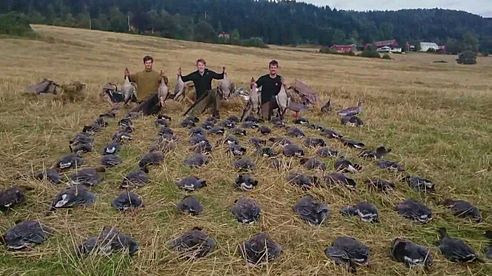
(179, 71)
(162, 73)
(223, 70)
(127, 72)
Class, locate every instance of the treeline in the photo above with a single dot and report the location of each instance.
(258, 21)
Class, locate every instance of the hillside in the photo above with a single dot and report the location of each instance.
(435, 117)
(275, 22)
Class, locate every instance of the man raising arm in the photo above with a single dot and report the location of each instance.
(270, 86)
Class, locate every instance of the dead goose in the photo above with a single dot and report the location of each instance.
(229, 140)
(26, 234)
(217, 131)
(72, 160)
(463, 209)
(162, 120)
(245, 182)
(352, 121)
(127, 201)
(11, 197)
(191, 183)
(326, 152)
(52, 175)
(414, 210)
(366, 211)
(380, 185)
(351, 111)
(331, 134)
(339, 179)
(390, 165)
(110, 114)
(197, 131)
(246, 210)
(301, 121)
(81, 138)
(151, 158)
(112, 148)
(311, 211)
(137, 178)
(378, 153)
(165, 131)
(266, 152)
(292, 150)
(236, 150)
(121, 136)
(295, 132)
(313, 164)
(277, 122)
(257, 142)
(314, 142)
(488, 250)
(419, 184)
(163, 91)
(189, 122)
(282, 141)
(208, 125)
(302, 181)
(110, 160)
(87, 176)
(110, 240)
(72, 197)
(196, 160)
(228, 124)
(349, 252)
(352, 143)
(197, 139)
(260, 249)
(193, 244)
(345, 166)
(264, 130)
(238, 132)
(204, 147)
(326, 108)
(455, 250)
(250, 124)
(190, 205)
(81, 148)
(126, 123)
(411, 254)
(244, 164)
(280, 164)
(233, 118)
(251, 118)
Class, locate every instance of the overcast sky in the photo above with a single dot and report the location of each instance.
(481, 7)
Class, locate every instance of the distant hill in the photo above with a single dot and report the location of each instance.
(280, 22)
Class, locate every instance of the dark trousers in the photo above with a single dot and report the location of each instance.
(210, 100)
(267, 108)
(149, 106)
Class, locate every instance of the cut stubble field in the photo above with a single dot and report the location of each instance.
(436, 117)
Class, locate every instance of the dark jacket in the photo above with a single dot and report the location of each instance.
(202, 83)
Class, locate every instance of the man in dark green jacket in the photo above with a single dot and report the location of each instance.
(205, 96)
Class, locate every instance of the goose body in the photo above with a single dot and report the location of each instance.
(364, 210)
(52, 175)
(331, 134)
(190, 205)
(302, 181)
(87, 176)
(311, 211)
(260, 249)
(127, 201)
(313, 164)
(455, 250)
(72, 197)
(137, 178)
(194, 244)
(110, 240)
(236, 150)
(345, 166)
(112, 148)
(420, 184)
(463, 209)
(244, 164)
(326, 108)
(246, 210)
(326, 152)
(339, 179)
(352, 121)
(245, 182)
(293, 150)
(414, 210)
(196, 160)
(191, 183)
(26, 234)
(129, 90)
(151, 158)
(70, 161)
(380, 185)
(11, 197)
(390, 165)
(351, 111)
(295, 132)
(349, 252)
(410, 253)
(162, 91)
(352, 143)
(314, 142)
(378, 153)
(179, 88)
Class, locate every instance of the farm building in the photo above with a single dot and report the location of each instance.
(344, 48)
(425, 46)
(392, 43)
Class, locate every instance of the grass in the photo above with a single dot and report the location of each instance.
(435, 117)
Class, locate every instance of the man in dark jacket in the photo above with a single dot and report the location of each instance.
(270, 85)
(205, 96)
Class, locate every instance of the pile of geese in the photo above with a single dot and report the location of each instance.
(279, 152)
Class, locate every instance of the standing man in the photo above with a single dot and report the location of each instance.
(147, 82)
(205, 96)
(270, 86)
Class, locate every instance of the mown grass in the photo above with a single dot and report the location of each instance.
(435, 117)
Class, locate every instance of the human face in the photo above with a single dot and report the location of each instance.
(273, 70)
(201, 67)
(148, 64)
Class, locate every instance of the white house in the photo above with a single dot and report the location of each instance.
(425, 46)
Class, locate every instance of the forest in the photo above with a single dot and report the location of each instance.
(257, 22)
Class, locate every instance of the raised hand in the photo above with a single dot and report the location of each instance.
(179, 71)
(127, 72)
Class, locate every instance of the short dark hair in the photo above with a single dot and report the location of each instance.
(145, 58)
(273, 63)
(201, 60)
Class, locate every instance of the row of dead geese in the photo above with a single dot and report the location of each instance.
(260, 248)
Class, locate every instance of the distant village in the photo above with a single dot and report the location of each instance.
(391, 46)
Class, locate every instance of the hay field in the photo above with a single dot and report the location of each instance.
(435, 116)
